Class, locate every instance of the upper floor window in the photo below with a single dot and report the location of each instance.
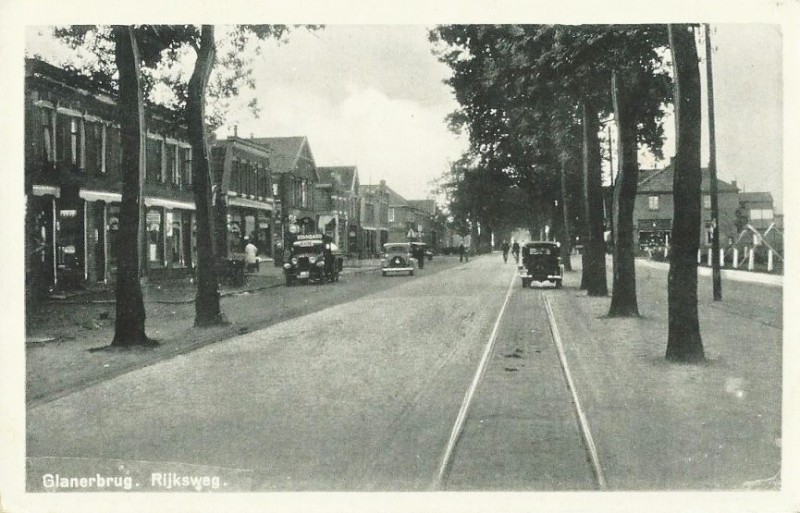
(652, 202)
(154, 161)
(185, 163)
(304, 194)
(68, 139)
(391, 215)
(47, 134)
(759, 214)
(706, 201)
(172, 164)
(275, 190)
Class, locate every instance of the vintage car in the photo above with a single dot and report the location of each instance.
(541, 261)
(398, 257)
(313, 258)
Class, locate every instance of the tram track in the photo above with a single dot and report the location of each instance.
(440, 481)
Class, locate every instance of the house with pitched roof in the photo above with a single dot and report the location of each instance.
(244, 196)
(338, 205)
(374, 216)
(654, 209)
(295, 171)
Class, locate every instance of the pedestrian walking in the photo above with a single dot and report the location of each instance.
(462, 253)
(505, 247)
(250, 260)
(515, 250)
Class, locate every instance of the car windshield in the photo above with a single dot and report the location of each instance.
(305, 249)
(397, 249)
(541, 250)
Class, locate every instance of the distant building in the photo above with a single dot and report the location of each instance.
(245, 196)
(758, 211)
(374, 215)
(338, 205)
(295, 171)
(654, 209)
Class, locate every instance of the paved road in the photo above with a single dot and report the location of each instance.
(364, 395)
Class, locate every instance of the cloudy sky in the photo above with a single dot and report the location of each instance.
(372, 96)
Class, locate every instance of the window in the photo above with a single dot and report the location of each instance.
(172, 164)
(185, 161)
(275, 192)
(652, 202)
(706, 201)
(94, 147)
(153, 168)
(74, 141)
(391, 215)
(155, 237)
(303, 193)
(68, 140)
(47, 135)
(766, 213)
(234, 182)
(755, 214)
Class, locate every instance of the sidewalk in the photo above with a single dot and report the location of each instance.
(729, 274)
(60, 332)
(666, 426)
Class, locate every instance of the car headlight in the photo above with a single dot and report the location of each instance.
(287, 266)
(320, 264)
(312, 259)
(294, 261)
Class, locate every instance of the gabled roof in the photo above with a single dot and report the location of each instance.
(394, 198)
(660, 180)
(755, 197)
(426, 205)
(344, 177)
(284, 151)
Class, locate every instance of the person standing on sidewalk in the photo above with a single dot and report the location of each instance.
(505, 247)
(515, 251)
(250, 260)
(463, 253)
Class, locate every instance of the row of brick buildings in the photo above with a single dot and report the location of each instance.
(266, 190)
(654, 207)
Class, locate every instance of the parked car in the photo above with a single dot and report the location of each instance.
(313, 258)
(541, 261)
(398, 257)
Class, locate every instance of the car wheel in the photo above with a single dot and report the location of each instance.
(526, 282)
(558, 284)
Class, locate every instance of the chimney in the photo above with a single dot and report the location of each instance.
(236, 130)
(733, 182)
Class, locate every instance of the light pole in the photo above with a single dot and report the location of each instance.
(712, 171)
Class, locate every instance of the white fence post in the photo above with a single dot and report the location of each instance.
(666, 252)
(699, 257)
(735, 258)
(721, 257)
(710, 257)
(751, 261)
(769, 261)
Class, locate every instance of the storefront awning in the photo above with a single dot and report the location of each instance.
(168, 203)
(235, 201)
(108, 197)
(45, 190)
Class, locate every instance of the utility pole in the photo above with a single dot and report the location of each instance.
(712, 171)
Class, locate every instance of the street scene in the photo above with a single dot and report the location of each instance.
(484, 258)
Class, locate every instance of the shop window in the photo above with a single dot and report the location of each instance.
(174, 227)
(155, 237)
(652, 202)
(112, 220)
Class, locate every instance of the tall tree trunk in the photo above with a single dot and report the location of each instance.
(684, 343)
(130, 315)
(207, 303)
(595, 269)
(566, 236)
(623, 296)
